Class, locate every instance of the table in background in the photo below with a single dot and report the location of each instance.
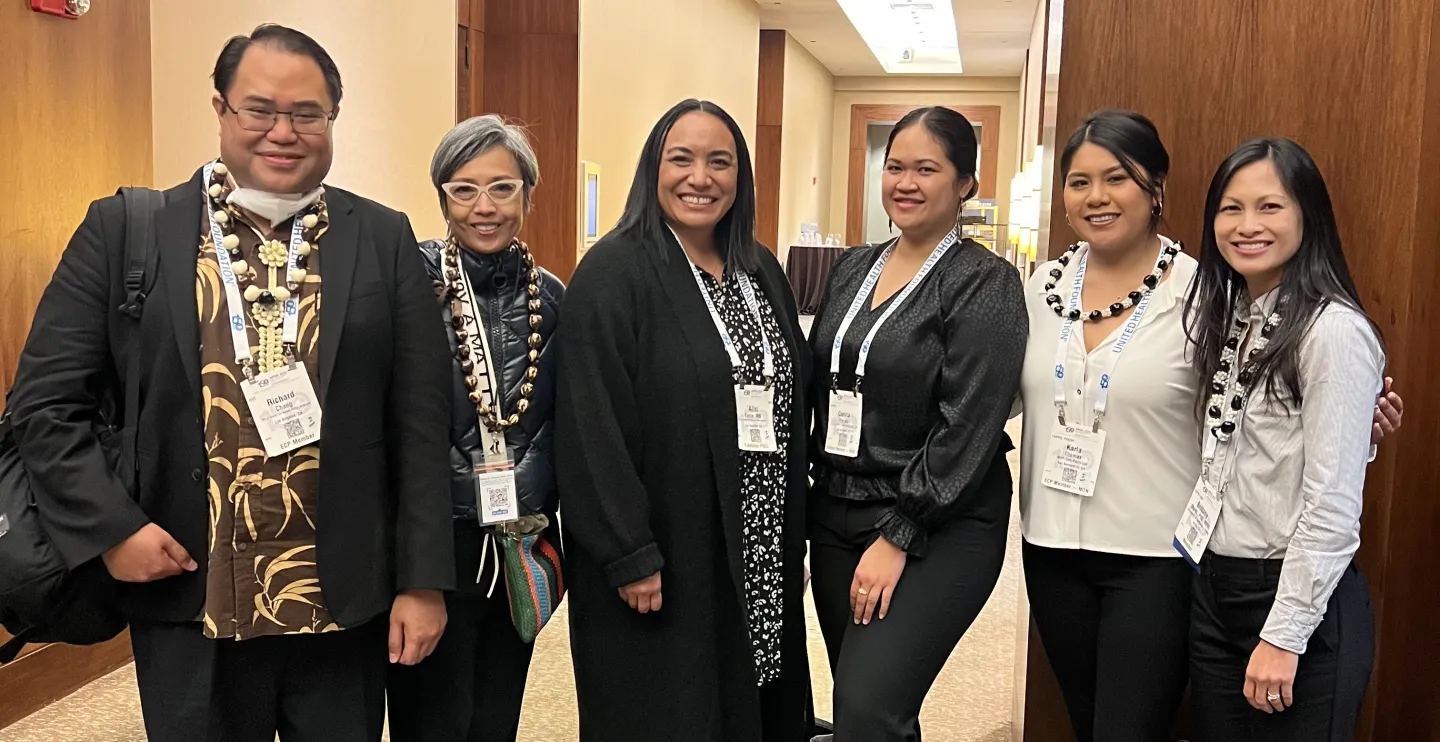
(808, 268)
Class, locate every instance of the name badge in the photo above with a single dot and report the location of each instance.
(285, 408)
(1198, 522)
(842, 432)
(496, 497)
(755, 418)
(1072, 462)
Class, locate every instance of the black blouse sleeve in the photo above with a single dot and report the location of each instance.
(986, 327)
(597, 426)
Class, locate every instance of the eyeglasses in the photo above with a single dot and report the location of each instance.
(501, 191)
(304, 121)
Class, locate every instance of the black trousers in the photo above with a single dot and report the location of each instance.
(1232, 599)
(472, 687)
(884, 670)
(306, 687)
(1115, 628)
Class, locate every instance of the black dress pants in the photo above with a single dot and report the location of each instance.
(305, 687)
(1232, 599)
(884, 670)
(1116, 629)
(472, 687)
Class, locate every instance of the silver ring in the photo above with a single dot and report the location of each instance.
(862, 591)
(1272, 696)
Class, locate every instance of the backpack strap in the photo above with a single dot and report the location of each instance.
(140, 256)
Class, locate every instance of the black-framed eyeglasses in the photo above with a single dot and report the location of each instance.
(303, 121)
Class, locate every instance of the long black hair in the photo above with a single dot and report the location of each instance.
(955, 134)
(1135, 141)
(643, 218)
(1313, 278)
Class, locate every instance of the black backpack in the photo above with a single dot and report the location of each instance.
(40, 599)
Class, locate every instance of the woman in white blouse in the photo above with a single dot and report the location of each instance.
(1282, 636)
(1111, 443)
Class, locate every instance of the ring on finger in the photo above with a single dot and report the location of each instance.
(1272, 696)
(862, 591)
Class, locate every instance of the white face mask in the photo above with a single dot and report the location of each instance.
(274, 207)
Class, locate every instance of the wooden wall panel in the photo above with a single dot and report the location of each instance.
(74, 126)
(532, 76)
(863, 114)
(1361, 90)
(770, 117)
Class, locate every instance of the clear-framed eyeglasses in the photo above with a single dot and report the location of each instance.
(302, 120)
(500, 191)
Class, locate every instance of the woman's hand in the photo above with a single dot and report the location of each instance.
(644, 595)
(875, 579)
(1270, 678)
(1389, 408)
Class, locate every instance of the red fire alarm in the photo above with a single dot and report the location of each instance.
(71, 9)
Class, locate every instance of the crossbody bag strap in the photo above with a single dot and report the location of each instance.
(140, 207)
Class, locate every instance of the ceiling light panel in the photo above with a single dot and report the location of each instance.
(908, 36)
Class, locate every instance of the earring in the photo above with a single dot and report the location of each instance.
(1158, 210)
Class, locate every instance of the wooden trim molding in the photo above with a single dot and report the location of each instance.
(864, 114)
(770, 116)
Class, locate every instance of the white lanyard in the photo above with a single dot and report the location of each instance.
(493, 441)
(863, 295)
(1102, 398)
(748, 291)
(235, 305)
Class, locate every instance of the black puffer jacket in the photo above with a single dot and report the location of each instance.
(500, 287)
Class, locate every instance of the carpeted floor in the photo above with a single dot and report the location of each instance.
(973, 700)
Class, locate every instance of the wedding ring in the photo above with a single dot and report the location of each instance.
(1272, 696)
(862, 591)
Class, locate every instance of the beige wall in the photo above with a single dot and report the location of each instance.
(640, 57)
(922, 91)
(807, 137)
(397, 60)
(1033, 95)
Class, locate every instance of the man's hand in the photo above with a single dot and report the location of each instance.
(416, 622)
(643, 596)
(149, 554)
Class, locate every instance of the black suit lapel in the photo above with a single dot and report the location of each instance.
(717, 396)
(340, 243)
(177, 229)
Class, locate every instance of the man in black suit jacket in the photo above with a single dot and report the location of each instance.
(257, 582)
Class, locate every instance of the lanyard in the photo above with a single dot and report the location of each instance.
(748, 291)
(863, 295)
(1102, 398)
(234, 304)
(492, 384)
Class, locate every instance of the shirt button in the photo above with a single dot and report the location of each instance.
(242, 547)
(195, 474)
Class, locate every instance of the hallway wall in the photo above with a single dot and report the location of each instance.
(919, 91)
(806, 169)
(1360, 89)
(397, 59)
(639, 57)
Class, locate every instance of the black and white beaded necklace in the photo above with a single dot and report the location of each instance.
(1221, 415)
(1053, 299)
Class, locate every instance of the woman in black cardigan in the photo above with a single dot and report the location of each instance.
(685, 518)
(918, 349)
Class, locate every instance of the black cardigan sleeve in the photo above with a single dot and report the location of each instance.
(986, 326)
(604, 503)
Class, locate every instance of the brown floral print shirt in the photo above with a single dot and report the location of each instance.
(262, 578)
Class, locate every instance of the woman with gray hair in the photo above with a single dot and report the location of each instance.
(501, 310)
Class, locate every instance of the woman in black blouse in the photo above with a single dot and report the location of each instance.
(680, 450)
(910, 507)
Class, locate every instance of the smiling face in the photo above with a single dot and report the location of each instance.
(1104, 205)
(922, 188)
(1258, 226)
(698, 173)
(485, 202)
(280, 160)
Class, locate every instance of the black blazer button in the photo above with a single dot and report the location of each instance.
(195, 474)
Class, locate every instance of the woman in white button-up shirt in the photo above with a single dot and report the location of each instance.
(1281, 620)
(1109, 593)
